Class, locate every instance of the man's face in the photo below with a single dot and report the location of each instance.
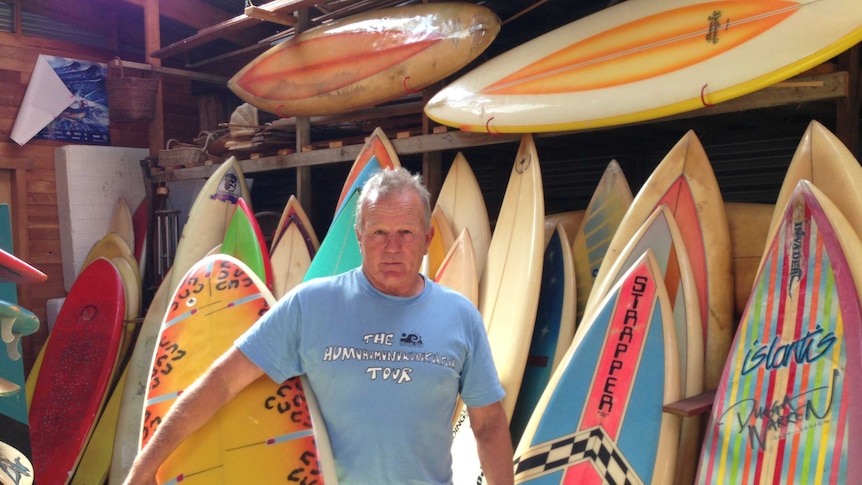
(393, 239)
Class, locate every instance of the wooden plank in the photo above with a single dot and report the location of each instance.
(152, 40)
(222, 29)
(847, 112)
(262, 13)
(801, 89)
(691, 406)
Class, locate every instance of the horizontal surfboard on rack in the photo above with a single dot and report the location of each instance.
(366, 59)
(645, 59)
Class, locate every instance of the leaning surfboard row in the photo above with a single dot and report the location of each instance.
(654, 329)
(588, 377)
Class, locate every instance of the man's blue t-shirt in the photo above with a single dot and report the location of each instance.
(386, 371)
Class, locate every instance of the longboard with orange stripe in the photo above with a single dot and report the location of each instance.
(366, 59)
(646, 59)
(788, 407)
(600, 418)
(263, 435)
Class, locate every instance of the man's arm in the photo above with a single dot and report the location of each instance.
(494, 443)
(227, 376)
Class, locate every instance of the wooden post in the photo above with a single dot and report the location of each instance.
(432, 162)
(152, 43)
(303, 133)
(847, 110)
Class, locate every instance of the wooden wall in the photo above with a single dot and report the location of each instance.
(28, 171)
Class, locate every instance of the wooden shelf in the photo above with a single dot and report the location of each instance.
(801, 89)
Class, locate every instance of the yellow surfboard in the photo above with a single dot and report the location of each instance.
(603, 215)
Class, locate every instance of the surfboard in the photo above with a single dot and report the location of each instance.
(110, 246)
(209, 217)
(96, 458)
(16, 270)
(608, 204)
(459, 270)
(508, 295)
(121, 222)
(600, 419)
(294, 245)
(570, 220)
(644, 60)
(365, 59)
(140, 225)
(76, 371)
(205, 228)
(15, 322)
(15, 467)
(376, 154)
(8, 291)
(268, 424)
(684, 180)
(787, 408)
(339, 250)
(661, 235)
(554, 329)
(441, 242)
(243, 239)
(825, 161)
(137, 380)
(462, 201)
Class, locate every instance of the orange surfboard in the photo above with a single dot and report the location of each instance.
(366, 59)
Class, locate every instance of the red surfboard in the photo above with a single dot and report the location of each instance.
(76, 371)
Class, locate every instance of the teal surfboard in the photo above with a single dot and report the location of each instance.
(339, 251)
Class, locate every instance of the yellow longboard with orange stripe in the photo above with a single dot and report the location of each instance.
(263, 435)
(646, 59)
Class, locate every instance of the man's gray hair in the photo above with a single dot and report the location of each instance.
(387, 182)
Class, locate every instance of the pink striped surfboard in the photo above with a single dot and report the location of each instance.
(788, 406)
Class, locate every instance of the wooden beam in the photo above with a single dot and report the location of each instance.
(181, 73)
(847, 110)
(152, 39)
(261, 13)
(222, 29)
(800, 89)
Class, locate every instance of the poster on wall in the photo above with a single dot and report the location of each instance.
(85, 120)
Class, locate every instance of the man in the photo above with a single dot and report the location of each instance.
(388, 418)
